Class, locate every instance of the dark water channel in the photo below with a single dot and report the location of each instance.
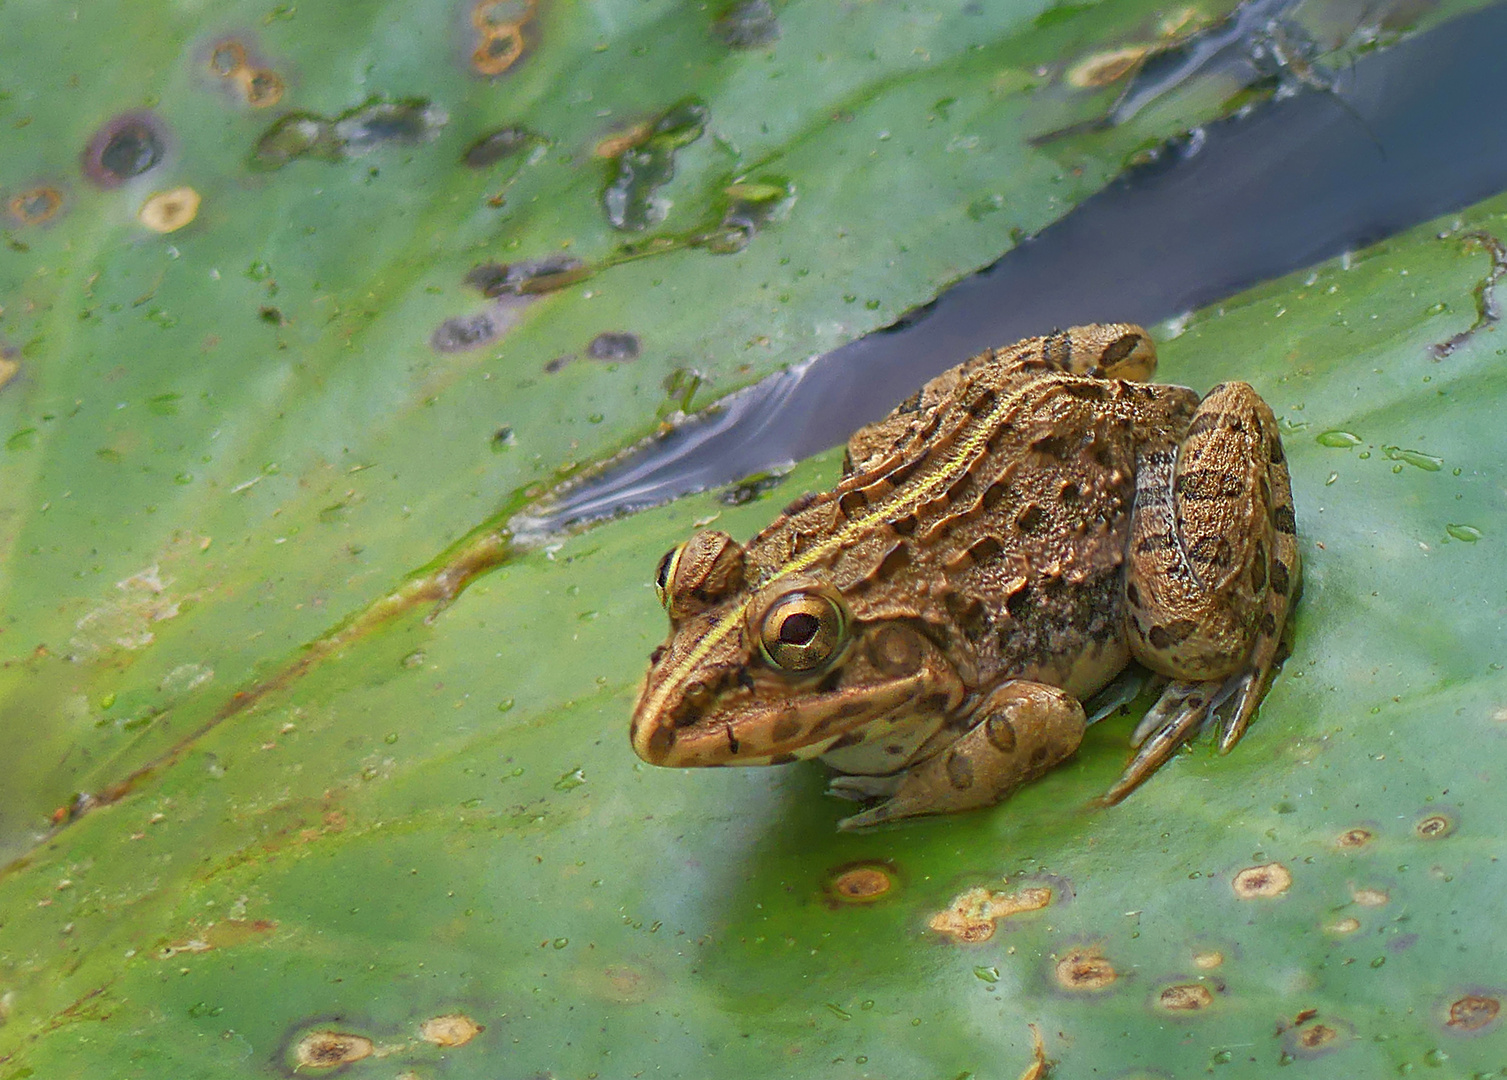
(1404, 135)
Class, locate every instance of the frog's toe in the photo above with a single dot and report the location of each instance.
(863, 788)
(1172, 721)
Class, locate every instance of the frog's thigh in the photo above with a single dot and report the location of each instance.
(1021, 730)
(1202, 539)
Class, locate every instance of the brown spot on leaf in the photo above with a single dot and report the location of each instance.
(1473, 1012)
(1347, 925)
(1434, 826)
(1262, 882)
(1085, 970)
(1105, 68)
(1185, 997)
(169, 211)
(36, 206)
(972, 915)
(330, 1049)
(261, 88)
(860, 883)
(455, 1029)
(226, 58)
(1370, 897)
(1208, 960)
(1354, 838)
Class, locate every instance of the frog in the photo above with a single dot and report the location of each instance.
(1016, 535)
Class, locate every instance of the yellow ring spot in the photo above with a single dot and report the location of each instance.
(168, 211)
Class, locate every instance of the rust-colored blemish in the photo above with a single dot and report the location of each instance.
(38, 205)
(611, 147)
(1040, 1067)
(330, 1049)
(1185, 997)
(1085, 969)
(973, 915)
(1208, 959)
(1473, 1012)
(8, 369)
(1105, 68)
(455, 1029)
(1367, 897)
(1354, 838)
(226, 58)
(860, 883)
(500, 41)
(1347, 925)
(260, 88)
(168, 211)
(1434, 826)
(1262, 882)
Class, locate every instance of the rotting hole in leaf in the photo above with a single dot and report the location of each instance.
(613, 346)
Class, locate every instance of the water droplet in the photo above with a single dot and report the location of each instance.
(1427, 462)
(560, 942)
(1469, 533)
(838, 1011)
(1223, 1057)
(107, 701)
(1435, 1057)
(390, 738)
(987, 974)
(570, 781)
(1341, 439)
(503, 706)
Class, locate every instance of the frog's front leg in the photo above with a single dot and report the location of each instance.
(1019, 731)
(1213, 565)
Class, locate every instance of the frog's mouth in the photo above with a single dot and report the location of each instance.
(741, 729)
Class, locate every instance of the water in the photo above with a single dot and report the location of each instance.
(1402, 136)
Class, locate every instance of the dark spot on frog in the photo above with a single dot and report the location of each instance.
(125, 147)
(981, 405)
(1001, 733)
(1174, 633)
(785, 729)
(959, 770)
(661, 741)
(1058, 447)
(851, 738)
(36, 206)
(1132, 593)
(1031, 518)
(1278, 455)
(1280, 580)
(1268, 624)
(748, 24)
(1283, 520)
(1070, 494)
(1214, 551)
(498, 145)
(1088, 390)
(460, 333)
(613, 346)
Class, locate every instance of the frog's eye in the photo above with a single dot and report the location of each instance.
(803, 631)
(666, 574)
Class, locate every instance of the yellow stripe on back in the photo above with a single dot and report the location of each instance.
(967, 449)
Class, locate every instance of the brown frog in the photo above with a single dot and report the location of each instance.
(1000, 547)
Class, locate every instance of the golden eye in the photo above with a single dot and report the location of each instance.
(803, 631)
(665, 574)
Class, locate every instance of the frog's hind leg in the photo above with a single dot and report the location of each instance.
(1212, 571)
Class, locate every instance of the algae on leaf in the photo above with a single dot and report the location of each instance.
(314, 769)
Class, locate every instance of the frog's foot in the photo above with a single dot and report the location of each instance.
(1020, 730)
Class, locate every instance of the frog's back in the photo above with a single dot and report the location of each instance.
(997, 525)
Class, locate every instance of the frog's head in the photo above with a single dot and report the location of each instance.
(767, 673)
